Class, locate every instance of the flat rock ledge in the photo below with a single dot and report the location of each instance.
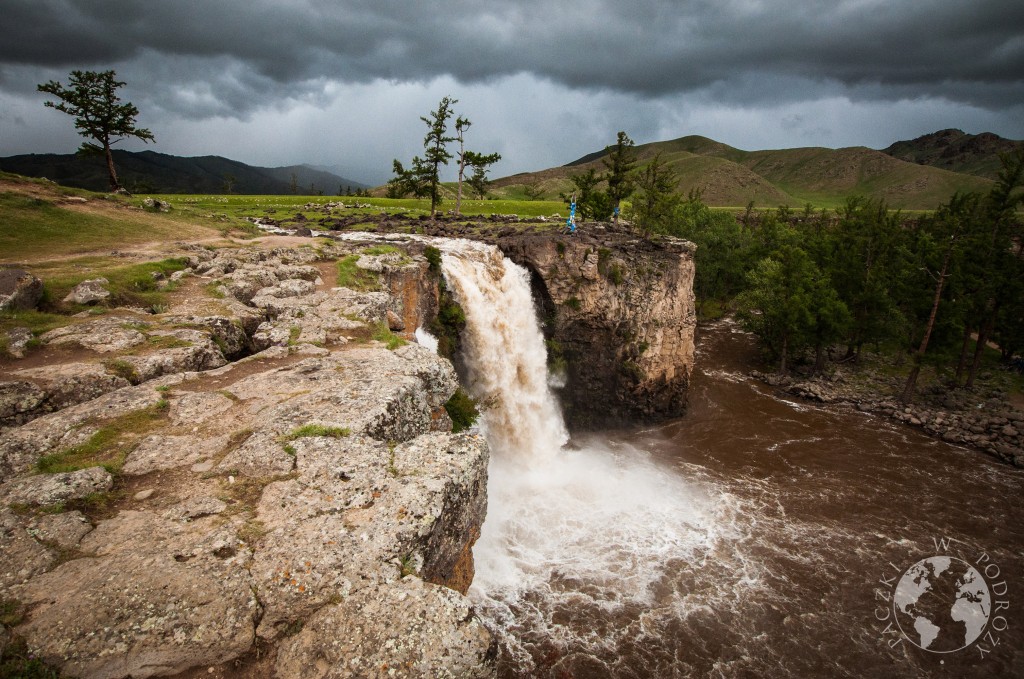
(304, 511)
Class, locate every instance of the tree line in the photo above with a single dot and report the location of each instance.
(821, 285)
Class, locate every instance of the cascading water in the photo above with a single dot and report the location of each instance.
(504, 350)
(747, 539)
(575, 539)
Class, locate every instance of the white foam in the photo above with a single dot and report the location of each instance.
(424, 338)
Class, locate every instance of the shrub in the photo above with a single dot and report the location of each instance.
(433, 256)
(462, 409)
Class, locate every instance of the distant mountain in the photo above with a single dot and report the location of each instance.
(954, 150)
(728, 176)
(151, 172)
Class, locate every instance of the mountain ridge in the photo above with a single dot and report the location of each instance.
(730, 177)
(955, 150)
(153, 172)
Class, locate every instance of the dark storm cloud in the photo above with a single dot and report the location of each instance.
(223, 57)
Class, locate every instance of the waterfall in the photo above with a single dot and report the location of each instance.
(503, 349)
(582, 533)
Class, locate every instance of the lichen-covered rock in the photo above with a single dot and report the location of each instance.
(301, 488)
(21, 556)
(105, 335)
(159, 452)
(18, 400)
(36, 391)
(18, 341)
(158, 597)
(89, 292)
(197, 407)
(22, 447)
(65, 530)
(262, 454)
(324, 316)
(359, 511)
(390, 395)
(49, 489)
(410, 629)
(199, 353)
(195, 508)
(623, 314)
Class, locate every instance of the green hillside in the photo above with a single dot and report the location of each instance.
(727, 176)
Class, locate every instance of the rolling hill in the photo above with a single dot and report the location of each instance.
(727, 176)
(954, 150)
(151, 172)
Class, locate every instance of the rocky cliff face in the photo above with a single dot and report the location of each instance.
(619, 314)
(264, 476)
(303, 510)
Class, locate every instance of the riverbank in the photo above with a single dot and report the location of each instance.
(986, 418)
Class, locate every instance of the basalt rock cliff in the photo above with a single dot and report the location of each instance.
(619, 314)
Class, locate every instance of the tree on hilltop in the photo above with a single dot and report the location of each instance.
(655, 206)
(91, 97)
(620, 162)
(478, 162)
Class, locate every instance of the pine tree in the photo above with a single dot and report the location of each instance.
(478, 162)
(620, 162)
(91, 98)
(436, 152)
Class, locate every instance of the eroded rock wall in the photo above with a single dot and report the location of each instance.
(620, 311)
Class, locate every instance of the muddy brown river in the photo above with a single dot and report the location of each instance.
(755, 537)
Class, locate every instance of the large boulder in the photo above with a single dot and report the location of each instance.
(19, 290)
(89, 292)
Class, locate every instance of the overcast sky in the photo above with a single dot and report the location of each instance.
(343, 82)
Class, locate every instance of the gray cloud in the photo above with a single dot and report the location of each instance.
(970, 52)
(343, 83)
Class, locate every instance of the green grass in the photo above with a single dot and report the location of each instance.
(36, 321)
(351, 276)
(382, 333)
(109, 446)
(37, 228)
(286, 207)
(308, 430)
(377, 250)
(123, 369)
(132, 285)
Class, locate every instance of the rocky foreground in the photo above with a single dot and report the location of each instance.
(246, 484)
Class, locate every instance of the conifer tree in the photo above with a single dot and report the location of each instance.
(91, 97)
